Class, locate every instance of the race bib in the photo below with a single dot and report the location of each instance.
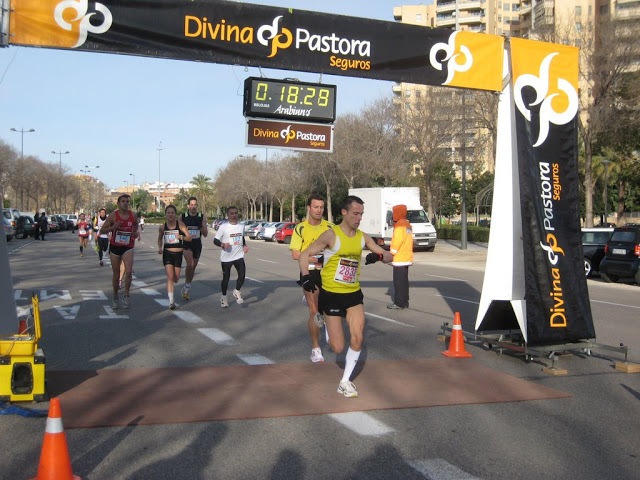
(171, 237)
(82, 231)
(236, 239)
(347, 271)
(316, 262)
(122, 238)
(195, 232)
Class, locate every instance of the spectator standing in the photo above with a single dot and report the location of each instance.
(36, 226)
(402, 251)
(44, 224)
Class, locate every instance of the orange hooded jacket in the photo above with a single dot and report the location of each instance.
(402, 240)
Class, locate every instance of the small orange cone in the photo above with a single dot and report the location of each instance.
(55, 463)
(456, 344)
(22, 327)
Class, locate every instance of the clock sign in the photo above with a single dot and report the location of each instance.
(289, 99)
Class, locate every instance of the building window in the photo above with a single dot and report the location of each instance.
(418, 17)
(578, 11)
(418, 93)
(578, 27)
(407, 93)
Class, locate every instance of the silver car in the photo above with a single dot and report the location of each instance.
(268, 231)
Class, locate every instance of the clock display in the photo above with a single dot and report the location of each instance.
(289, 99)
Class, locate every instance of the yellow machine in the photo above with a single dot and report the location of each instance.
(22, 362)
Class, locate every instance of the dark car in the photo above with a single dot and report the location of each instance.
(25, 227)
(622, 255)
(593, 243)
(62, 223)
(283, 233)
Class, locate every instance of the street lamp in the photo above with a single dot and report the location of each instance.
(22, 132)
(606, 162)
(62, 194)
(88, 172)
(159, 190)
(60, 153)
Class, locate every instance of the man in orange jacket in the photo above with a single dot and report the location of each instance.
(402, 251)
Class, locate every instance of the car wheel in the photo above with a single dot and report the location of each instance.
(609, 278)
(274, 239)
(287, 239)
(20, 234)
(431, 249)
(258, 237)
(588, 271)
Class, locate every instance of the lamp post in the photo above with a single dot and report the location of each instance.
(606, 162)
(62, 194)
(159, 189)
(133, 186)
(22, 132)
(88, 171)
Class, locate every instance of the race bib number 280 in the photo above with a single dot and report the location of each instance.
(347, 271)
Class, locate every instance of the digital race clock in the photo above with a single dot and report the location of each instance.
(289, 99)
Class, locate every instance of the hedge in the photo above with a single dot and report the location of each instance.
(454, 232)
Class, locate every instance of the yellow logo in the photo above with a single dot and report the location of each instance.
(288, 134)
(279, 39)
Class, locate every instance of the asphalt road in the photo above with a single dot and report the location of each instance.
(592, 435)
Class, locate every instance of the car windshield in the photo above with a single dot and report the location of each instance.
(417, 216)
(7, 214)
(624, 236)
(595, 237)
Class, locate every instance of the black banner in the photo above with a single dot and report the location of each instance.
(243, 34)
(545, 91)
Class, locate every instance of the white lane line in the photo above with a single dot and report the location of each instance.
(445, 278)
(614, 304)
(254, 279)
(163, 302)
(138, 283)
(440, 469)
(149, 291)
(268, 261)
(188, 317)
(217, 336)
(389, 320)
(254, 359)
(362, 424)
(458, 299)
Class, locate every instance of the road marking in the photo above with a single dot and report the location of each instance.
(389, 320)
(268, 261)
(458, 299)
(111, 314)
(614, 304)
(149, 291)
(188, 317)
(138, 283)
(362, 424)
(163, 302)
(439, 469)
(217, 336)
(445, 278)
(254, 279)
(254, 359)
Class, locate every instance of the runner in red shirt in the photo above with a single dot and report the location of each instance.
(123, 225)
(84, 228)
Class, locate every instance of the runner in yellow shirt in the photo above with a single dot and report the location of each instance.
(304, 235)
(340, 294)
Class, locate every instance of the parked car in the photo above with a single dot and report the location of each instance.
(9, 225)
(254, 230)
(25, 227)
(622, 255)
(284, 232)
(268, 232)
(53, 224)
(217, 222)
(74, 219)
(62, 223)
(593, 243)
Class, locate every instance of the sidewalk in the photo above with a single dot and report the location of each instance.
(449, 253)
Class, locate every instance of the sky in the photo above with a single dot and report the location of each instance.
(112, 113)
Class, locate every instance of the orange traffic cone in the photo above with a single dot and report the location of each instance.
(22, 327)
(456, 344)
(55, 463)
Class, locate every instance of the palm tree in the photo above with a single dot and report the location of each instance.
(202, 189)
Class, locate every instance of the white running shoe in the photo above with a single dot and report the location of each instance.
(238, 296)
(223, 301)
(304, 300)
(347, 389)
(318, 319)
(125, 301)
(316, 355)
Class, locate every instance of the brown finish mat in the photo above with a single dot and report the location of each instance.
(150, 396)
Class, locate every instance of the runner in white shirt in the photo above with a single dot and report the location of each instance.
(102, 240)
(230, 237)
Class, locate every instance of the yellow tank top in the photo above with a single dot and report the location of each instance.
(341, 270)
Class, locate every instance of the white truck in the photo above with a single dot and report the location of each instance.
(377, 220)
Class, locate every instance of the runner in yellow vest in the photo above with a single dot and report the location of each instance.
(304, 235)
(340, 294)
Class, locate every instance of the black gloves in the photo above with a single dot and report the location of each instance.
(372, 258)
(308, 284)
